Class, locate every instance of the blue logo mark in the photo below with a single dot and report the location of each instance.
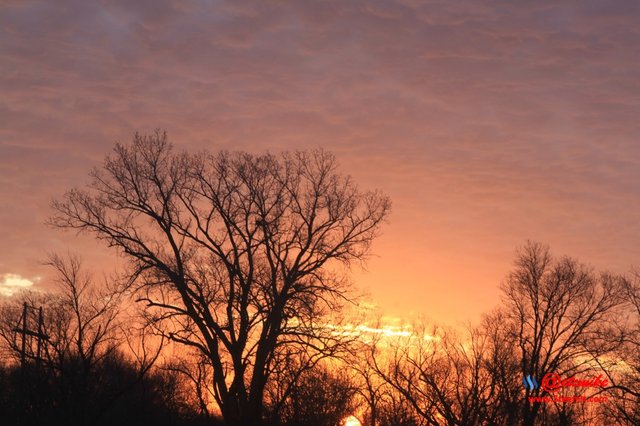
(530, 382)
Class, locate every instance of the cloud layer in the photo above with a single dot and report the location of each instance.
(487, 122)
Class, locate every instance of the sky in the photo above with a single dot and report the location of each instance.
(487, 122)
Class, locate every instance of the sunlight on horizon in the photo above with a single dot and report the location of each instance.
(387, 331)
(351, 421)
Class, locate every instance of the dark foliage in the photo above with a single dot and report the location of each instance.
(319, 397)
(114, 394)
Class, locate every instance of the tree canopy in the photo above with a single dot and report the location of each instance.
(235, 255)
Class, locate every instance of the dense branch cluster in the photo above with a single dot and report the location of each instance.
(236, 256)
(557, 316)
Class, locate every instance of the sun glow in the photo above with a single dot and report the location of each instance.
(351, 421)
(388, 331)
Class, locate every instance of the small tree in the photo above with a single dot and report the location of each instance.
(319, 396)
(624, 371)
(76, 373)
(235, 254)
(442, 377)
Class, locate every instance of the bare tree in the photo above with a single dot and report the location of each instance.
(623, 370)
(445, 377)
(501, 369)
(196, 371)
(234, 253)
(562, 316)
(292, 364)
(321, 395)
(395, 410)
(370, 361)
(371, 389)
(90, 331)
(81, 343)
(79, 322)
(415, 369)
(558, 317)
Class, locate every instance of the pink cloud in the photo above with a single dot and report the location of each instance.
(487, 122)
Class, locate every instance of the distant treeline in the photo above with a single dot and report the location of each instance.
(110, 392)
(97, 367)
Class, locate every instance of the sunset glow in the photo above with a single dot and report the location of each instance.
(319, 213)
(484, 128)
(351, 421)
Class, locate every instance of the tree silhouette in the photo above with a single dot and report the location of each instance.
(560, 314)
(624, 370)
(81, 371)
(235, 255)
(557, 316)
(319, 396)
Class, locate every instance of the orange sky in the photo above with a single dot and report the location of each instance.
(487, 122)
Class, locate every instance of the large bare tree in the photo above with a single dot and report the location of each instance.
(235, 255)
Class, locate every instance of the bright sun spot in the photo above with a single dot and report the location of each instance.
(11, 283)
(351, 421)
